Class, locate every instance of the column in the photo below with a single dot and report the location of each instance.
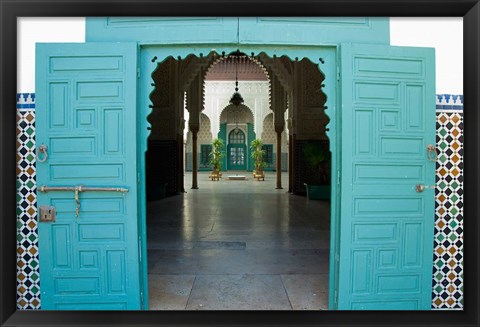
(293, 167)
(181, 156)
(194, 129)
(279, 105)
(279, 130)
(194, 107)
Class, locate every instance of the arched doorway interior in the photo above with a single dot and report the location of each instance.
(237, 131)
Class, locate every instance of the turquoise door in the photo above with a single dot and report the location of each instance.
(86, 118)
(386, 233)
(237, 151)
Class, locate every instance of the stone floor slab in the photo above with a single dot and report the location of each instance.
(168, 292)
(307, 292)
(238, 292)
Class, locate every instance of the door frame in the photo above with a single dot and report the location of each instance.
(326, 56)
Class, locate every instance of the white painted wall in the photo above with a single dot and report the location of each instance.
(445, 35)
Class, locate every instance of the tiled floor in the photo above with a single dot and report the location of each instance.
(238, 245)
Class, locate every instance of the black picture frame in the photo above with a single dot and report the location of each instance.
(10, 10)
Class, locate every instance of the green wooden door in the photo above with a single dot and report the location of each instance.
(86, 117)
(237, 157)
(237, 151)
(386, 233)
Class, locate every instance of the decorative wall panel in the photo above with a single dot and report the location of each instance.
(448, 242)
(28, 277)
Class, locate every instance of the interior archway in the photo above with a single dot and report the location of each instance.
(263, 211)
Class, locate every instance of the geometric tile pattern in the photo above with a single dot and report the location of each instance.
(26, 101)
(28, 278)
(448, 241)
(449, 102)
(447, 282)
(269, 136)
(204, 135)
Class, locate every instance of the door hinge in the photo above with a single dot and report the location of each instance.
(338, 177)
(335, 297)
(138, 177)
(138, 72)
(338, 73)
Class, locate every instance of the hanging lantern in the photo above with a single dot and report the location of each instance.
(236, 98)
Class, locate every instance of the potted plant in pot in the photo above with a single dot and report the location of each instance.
(258, 155)
(318, 157)
(216, 156)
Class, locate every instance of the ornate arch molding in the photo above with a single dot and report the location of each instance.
(218, 59)
(187, 68)
(242, 108)
(289, 56)
(192, 65)
(281, 67)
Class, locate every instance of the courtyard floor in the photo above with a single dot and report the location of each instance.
(238, 245)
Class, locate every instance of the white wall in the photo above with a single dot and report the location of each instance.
(443, 34)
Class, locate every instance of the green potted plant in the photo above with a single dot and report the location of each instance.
(258, 155)
(216, 156)
(318, 157)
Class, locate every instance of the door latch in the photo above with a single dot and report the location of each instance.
(81, 188)
(48, 214)
(420, 187)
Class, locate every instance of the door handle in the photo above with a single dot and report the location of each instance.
(42, 149)
(432, 153)
(420, 187)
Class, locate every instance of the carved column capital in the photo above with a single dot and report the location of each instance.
(279, 127)
(194, 129)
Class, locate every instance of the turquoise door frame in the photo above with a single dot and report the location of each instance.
(222, 135)
(250, 137)
(86, 100)
(325, 56)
